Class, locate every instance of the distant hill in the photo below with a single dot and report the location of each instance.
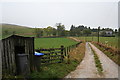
(9, 29)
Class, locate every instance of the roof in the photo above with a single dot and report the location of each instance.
(16, 36)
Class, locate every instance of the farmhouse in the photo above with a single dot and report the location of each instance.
(106, 33)
(109, 33)
(17, 55)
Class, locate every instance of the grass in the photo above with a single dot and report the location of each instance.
(60, 70)
(53, 42)
(97, 62)
(17, 28)
(20, 30)
(110, 41)
(78, 53)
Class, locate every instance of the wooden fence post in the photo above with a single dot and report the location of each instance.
(65, 52)
(62, 56)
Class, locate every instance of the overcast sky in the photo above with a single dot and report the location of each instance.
(45, 13)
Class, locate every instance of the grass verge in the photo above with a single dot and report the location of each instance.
(78, 53)
(97, 62)
(111, 55)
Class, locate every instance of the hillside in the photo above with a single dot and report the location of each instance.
(9, 29)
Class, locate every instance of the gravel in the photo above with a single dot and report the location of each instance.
(87, 68)
(110, 68)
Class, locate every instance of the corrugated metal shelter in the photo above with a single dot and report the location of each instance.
(17, 50)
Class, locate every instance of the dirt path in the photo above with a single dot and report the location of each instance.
(87, 68)
(110, 69)
(74, 39)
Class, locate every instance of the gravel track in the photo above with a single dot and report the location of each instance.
(110, 68)
(87, 68)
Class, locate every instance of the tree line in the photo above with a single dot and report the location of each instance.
(80, 30)
(60, 30)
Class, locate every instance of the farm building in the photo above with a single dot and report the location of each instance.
(106, 33)
(17, 55)
(109, 33)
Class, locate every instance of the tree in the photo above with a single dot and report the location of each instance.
(86, 32)
(49, 31)
(88, 27)
(72, 30)
(115, 30)
(81, 27)
(38, 32)
(78, 31)
(103, 33)
(54, 32)
(60, 30)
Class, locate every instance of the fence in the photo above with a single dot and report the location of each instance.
(52, 55)
(110, 49)
(55, 55)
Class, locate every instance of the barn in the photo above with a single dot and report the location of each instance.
(17, 54)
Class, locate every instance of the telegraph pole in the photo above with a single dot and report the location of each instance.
(98, 33)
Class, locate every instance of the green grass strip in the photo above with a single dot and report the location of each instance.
(97, 62)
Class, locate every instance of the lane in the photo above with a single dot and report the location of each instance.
(110, 69)
(87, 68)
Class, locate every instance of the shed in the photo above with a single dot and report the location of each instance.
(17, 51)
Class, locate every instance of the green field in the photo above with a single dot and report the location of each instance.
(53, 42)
(110, 41)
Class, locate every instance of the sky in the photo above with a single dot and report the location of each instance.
(44, 13)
